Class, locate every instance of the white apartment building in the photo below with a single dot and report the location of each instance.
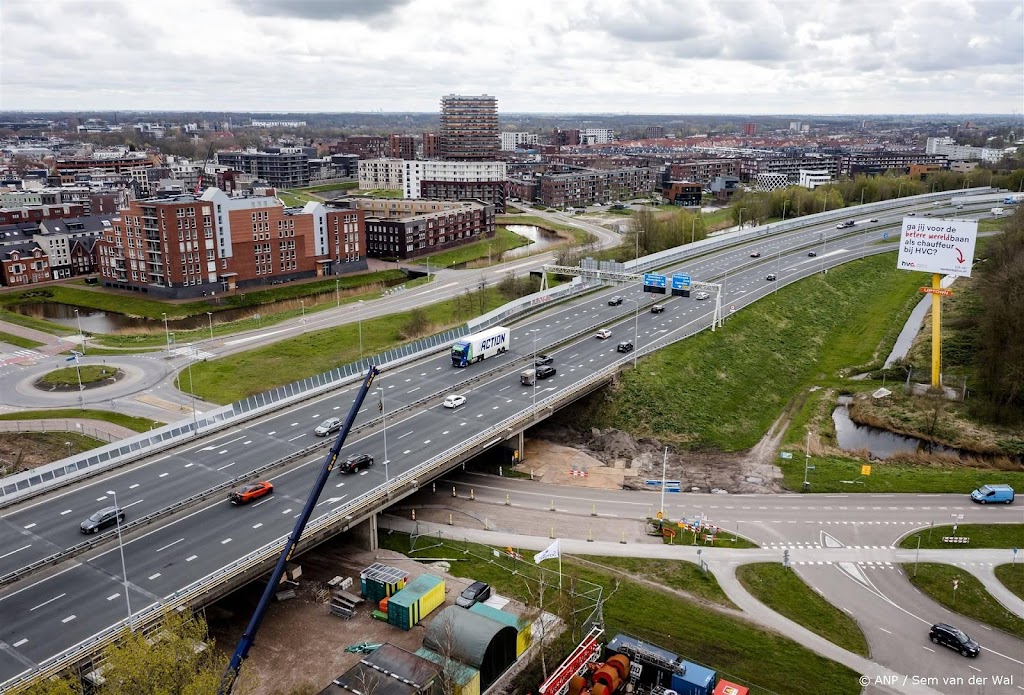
(381, 174)
(514, 141)
(770, 181)
(596, 136)
(20, 199)
(812, 178)
(948, 147)
(462, 172)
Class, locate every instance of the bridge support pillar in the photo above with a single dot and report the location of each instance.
(519, 441)
(365, 534)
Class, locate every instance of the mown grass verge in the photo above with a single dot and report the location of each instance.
(839, 474)
(1012, 577)
(86, 374)
(972, 599)
(139, 424)
(981, 535)
(782, 590)
(503, 241)
(735, 648)
(737, 380)
(18, 341)
(675, 574)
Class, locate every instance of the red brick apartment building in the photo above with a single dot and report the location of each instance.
(38, 213)
(24, 264)
(187, 246)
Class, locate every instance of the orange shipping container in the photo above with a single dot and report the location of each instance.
(383, 605)
(727, 688)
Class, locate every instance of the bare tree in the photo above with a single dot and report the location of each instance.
(446, 649)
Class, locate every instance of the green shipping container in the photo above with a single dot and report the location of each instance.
(379, 581)
(416, 601)
(524, 630)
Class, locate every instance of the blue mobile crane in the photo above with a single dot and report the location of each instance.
(249, 636)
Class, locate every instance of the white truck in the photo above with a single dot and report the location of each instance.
(477, 346)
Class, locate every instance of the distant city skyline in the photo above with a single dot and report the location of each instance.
(749, 57)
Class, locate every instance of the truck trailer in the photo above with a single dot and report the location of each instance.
(478, 346)
(1013, 199)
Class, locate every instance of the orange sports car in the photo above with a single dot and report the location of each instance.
(250, 492)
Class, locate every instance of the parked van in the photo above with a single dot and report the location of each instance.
(990, 494)
(528, 377)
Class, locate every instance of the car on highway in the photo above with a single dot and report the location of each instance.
(873, 219)
(544, 371)
(845, 225)
(700, 296)
(354, 462)
(250, 492)
(992, 494)
(331, 424)
(771, 277)
(954, 638)
(959, 207)
(541, 360)
(811, 254)
(477, 592)
(603, 334)
(615, 301)
(756, 254)
(624, 346)
(454, 401)
(102, 518)
(911, 214)
(657, 308)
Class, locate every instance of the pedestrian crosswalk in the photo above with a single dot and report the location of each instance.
(811, 546)
(20, 356)
(879, 565)
(195, 354)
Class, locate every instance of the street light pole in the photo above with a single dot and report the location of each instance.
(337, 291)
(167, 332)
(535, 331)
(124, 568)
(384, 420)
(302, 303)
(784, 204)
(360, 303)
(807, 462)
(209, 315)
(636, 328)
(741, 218)
(191, 356)
(78, 369)
(693, 228)
(79, 320)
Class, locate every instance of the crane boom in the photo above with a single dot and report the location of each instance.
(249, 636)
(202, 172)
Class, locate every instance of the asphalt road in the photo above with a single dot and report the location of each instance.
(40, 619)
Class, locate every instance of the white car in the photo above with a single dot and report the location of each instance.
(331, 424)
(454, 401)
(702, 295)
(603, 334)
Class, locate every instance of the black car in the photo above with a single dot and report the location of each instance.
(624, 346)
(108, 516)
(811, 254)
(954, 638)
(756, 254)
(657, 308)
(541, 360)
(771, 277)
(476, 592)
(544, 371)
(356, 461)
(615, 301)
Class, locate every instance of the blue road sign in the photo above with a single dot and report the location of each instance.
(786, 454)
(655, 280)
(885, 235)
(680, 282)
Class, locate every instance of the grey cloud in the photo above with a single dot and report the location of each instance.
(320, 9)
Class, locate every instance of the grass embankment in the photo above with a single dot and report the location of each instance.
(18, 341)
(675, 574)
(86, 374)
(1012, 577)
(981, 535)
(503, 241)
(750, 369)
(735, 648)
(139, 424)
(20, 450)
(972, 600)
(888, 477)
(783, 591)
(234, 377)
(578, 235)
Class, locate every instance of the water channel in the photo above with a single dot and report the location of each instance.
(880, 444)
(542, 240)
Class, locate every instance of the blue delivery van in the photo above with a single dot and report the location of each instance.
(993, 494)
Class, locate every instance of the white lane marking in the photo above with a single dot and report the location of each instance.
(885, 631)
(406, 452)
(46, 602)
(445, 432)
(415, 389)
(247, 441)
(16, 551)
(286, 511)
(405, 435)
(170, 544)
(190, 558)
(225, 541)
(426, 441)
(66, 511)
(271, 432)
(297, 437)
(153, 576)
(189, 465)
(69, 618)
(19, 642)
(257, 525)
(30, 525)
(222, 452)
(227, 465)
(100, 499)
(163, 475)
(113, 596)
(340, 485)
(293, 424)
(262, 502)
(132, 487)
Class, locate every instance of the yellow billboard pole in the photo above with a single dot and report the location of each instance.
(936, 331)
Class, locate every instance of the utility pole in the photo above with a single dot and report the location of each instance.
(807, 462)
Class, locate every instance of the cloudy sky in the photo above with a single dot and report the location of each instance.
(608, 56)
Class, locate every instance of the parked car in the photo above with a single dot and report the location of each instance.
(603, 334)
(987, 494)
(354, 462)
(477, 592)
(756, 254)
(702, 295)
(454, 401)
(331, 424)
(99, 520)
(250, 492)
(657, 308)
(544, 371)
(811, 254)
(771, 277)
(954, 638)
(624, 346)
(615, 301)
(541, 360)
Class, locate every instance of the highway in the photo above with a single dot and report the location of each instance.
(44, 616)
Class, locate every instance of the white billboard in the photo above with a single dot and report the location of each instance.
(937, 246)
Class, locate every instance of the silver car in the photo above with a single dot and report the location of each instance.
(331, 424)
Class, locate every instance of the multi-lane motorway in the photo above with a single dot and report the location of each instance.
(45, 615)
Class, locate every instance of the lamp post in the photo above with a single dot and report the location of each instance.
(209, 315)
(78, 369)
(79, 320)
(784, 204)
(535, 332)
(807, 462)
(693, 228)
(302, 303)
(360, 303)
(337, 291)
(636, 328)
(68, 445)
(124, 568)
(899, 191)
(191, 356)
(384, 420)
(167, 332)
(741, 218)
